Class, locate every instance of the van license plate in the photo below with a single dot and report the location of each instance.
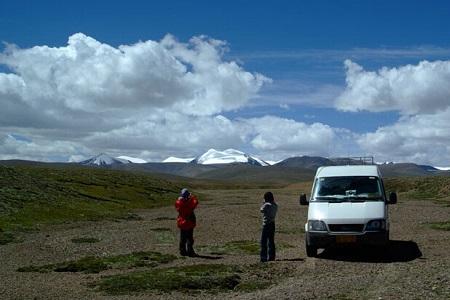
(343, 239)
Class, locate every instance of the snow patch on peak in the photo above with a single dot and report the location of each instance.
(213, 156)
(173, 159)
(133, 160)
(443, 168)
(272, 162)
(232, 152)
(227, 156)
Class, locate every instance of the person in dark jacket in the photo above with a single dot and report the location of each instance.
(269, 211)
(186, 221)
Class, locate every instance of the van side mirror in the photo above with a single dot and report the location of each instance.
(303, 200)
(392, 198)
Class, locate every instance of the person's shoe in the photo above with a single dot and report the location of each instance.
(182, 253)
(192, 254)
(272, 259)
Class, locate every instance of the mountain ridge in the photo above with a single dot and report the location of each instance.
(291, 169)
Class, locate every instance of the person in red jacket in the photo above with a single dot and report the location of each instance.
(186, 221)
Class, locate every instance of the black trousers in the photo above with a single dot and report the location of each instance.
(186, 241)
(268, 242)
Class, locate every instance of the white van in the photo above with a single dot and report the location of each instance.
(348, 205)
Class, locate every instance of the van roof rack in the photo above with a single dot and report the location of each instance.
(353, 160)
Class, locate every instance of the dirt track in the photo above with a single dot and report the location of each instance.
(416, 265)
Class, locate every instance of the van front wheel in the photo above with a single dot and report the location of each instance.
(311, 251)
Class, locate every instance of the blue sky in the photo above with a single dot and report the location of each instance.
(249, 26)
(298, 46)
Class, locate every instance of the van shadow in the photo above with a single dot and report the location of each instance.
(396, 251)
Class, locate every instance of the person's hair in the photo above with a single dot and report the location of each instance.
(268, 197)
(185, 193)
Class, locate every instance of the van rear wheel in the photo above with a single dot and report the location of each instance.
(311, 251)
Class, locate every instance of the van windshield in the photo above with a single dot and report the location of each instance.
(347, 188)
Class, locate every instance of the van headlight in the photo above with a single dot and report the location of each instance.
(376, 225)
(316, 225)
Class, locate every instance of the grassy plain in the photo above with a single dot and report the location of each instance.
(31, 196)
(93, 233)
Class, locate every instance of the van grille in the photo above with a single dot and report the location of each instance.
(346, 227)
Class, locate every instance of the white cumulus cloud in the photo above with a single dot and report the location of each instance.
(155, 99)
(89, 76)
(421, 138)
(143, 98)
(420, 93)
(42, 150)
(410, 89)
(171, 134)
(272, 135)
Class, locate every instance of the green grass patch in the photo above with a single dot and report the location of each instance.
(34, 195)
(6, 238)
(93, 264)
(85, 240)
(210, 277)
(420, 188)
(440, 225)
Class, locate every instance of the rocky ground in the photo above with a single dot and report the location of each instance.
(415, 266)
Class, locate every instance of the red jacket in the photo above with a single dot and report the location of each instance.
(185, 208)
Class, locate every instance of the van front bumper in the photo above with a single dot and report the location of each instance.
(326, 239)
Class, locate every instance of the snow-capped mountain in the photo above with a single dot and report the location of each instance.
(133, 160)
(228, 156)
(210, 157)
(173, 159)
(104, 160)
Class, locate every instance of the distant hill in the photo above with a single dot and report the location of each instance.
(257, 174)
(307, 162)
(408, 169)
(236, 165)
(313, 162)
(178, 169)
(289, 170)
